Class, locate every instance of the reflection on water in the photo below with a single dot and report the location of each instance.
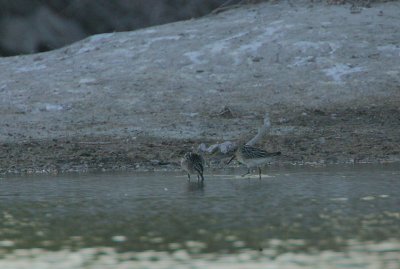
(195, 187)
(292, 217)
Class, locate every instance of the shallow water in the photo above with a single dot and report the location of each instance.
(346, 217)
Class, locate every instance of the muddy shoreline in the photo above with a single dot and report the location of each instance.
(331, 136)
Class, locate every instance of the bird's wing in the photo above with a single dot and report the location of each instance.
(252, 152)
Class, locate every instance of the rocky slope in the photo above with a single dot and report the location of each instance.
(328, 78)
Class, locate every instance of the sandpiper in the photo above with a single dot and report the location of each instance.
(253, 157)
(193, 163)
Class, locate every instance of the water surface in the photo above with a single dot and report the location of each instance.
(305, 212)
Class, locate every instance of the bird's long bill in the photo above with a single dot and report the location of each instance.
(233, 157)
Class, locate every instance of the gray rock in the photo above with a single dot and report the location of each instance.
(147, 79)
(147, 82)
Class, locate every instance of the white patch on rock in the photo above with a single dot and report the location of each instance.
(227, 147)
(202, 147)
(304, 46)
(223, 44)
(226, 45)
(87, 80)
(85, 49)
(214, 48)
(270, 34)
(52, 107)
(390, 73)
(338, 70)
(194, 57)
(312, 50)
(390, 49)
(30, 68)
(223, 148)
(299, 61)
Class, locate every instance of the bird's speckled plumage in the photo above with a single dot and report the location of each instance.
(193, 163)
(253, 157)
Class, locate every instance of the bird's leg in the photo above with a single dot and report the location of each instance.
(248, 172)
(188, 177)
(259, 172)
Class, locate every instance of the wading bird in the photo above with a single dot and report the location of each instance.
(252, 157)
(193, 163)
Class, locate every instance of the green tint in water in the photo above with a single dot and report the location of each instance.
(310, 209)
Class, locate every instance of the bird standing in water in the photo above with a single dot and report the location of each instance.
(193, 163)
(252, 157)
